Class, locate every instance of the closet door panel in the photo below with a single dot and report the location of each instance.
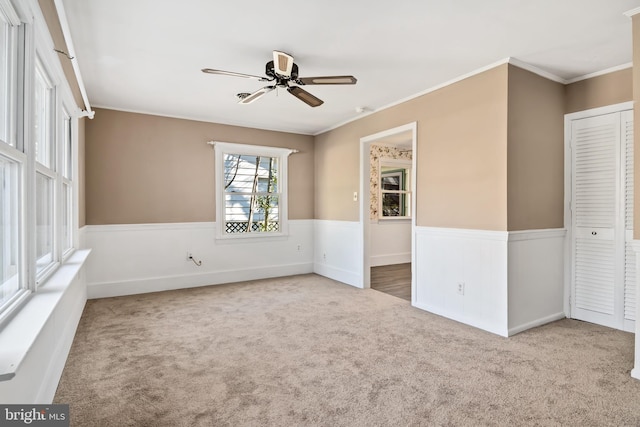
(595, 164)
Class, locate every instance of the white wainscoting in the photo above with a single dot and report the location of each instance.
(338, 251)
(390, 242)
(447, 257)
(512, 281)
(36, 343)
(536, 278)
(132, 259)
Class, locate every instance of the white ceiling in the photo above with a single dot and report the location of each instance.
(146, 55)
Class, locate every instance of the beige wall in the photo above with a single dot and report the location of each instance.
(608, 89)
(461, 155)
(535, 160)
(150, 169)
(80, 175)
(51, 17)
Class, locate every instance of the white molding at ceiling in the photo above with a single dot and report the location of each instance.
(199, 119)
(513, 61)
(536, 70)
(632, 12)
(601, 72)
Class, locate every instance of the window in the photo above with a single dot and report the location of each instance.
(395, 196)
(44, 142)
(66, 196)
(36, 157)
(10, 280)
(251, 190)
(12, 168)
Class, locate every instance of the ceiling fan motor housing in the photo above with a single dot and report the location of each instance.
(270, 71)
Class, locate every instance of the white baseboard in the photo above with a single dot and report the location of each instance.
(139, 258)
(635, 373)
(390, 259)
(458, 317)
(157, 284)
(536, 323)
(344, 276)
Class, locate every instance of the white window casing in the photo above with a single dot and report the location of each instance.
(281, 154)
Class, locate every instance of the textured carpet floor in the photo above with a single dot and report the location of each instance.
(306, 350)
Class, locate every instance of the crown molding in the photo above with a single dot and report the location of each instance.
(510, 60)
(632, 12)
(601, 72)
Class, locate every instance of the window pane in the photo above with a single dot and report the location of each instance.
(9, 242)
(42, 120)
(250, 213)
(396, 204)
(44, 221)
(66, 217)
(250, 174)
(66, 150)
(5, 83)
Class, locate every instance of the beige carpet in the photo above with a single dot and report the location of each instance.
(306, 350)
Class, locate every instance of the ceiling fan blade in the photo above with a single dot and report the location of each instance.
(282, 63)
(256, 95)
(328, 80)
(231, 73)
(305, 96)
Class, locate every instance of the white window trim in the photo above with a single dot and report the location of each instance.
(401, 164)
(282, 154)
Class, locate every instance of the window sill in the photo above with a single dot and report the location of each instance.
(21, 332)
(395, 219)
(247, 237)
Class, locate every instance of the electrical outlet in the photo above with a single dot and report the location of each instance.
(355, 196)
(461, 288)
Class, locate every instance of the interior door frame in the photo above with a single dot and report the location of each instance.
(568, 173)
(365, 200)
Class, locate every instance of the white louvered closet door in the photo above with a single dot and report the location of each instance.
(626, 124)
(603, 270)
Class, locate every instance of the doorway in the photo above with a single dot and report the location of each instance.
(387, 210)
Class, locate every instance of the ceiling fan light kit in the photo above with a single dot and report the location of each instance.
(283, 72)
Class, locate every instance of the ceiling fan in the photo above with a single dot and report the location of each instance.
(282, 72)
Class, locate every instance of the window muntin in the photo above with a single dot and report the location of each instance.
(10, 242)
(251, 193)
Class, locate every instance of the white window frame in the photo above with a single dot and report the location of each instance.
(33, 47)
(282, 154)
(65, 161)
(399, 164)
(50, 172)
(13, 150)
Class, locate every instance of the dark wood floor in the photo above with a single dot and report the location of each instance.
(393, 280)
